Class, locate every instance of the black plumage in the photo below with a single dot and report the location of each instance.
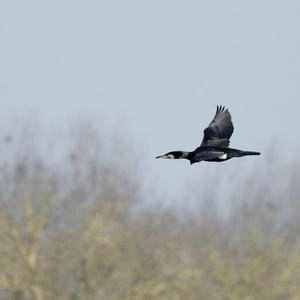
(215, 143)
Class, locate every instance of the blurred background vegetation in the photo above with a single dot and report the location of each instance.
(74, 225)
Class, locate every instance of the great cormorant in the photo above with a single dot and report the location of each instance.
(214, 146)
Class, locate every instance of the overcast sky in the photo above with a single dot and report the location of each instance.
(158, 68)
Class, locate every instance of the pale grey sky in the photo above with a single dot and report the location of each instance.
(159, 68)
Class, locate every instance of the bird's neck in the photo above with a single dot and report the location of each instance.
(184, 154)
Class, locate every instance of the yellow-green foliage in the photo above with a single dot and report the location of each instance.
(110, 257)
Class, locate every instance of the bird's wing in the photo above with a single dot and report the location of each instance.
(219, 130)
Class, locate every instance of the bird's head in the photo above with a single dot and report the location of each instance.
(173, 155)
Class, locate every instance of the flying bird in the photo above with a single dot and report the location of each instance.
(215, 143)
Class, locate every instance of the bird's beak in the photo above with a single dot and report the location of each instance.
(167, 156)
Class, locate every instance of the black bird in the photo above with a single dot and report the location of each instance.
(214, 146)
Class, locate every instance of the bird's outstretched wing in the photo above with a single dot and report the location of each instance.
(220, 129)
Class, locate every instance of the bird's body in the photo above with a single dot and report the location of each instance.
(214, 146)
(216, 154)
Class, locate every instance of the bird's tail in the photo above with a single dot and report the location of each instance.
(244, 153)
